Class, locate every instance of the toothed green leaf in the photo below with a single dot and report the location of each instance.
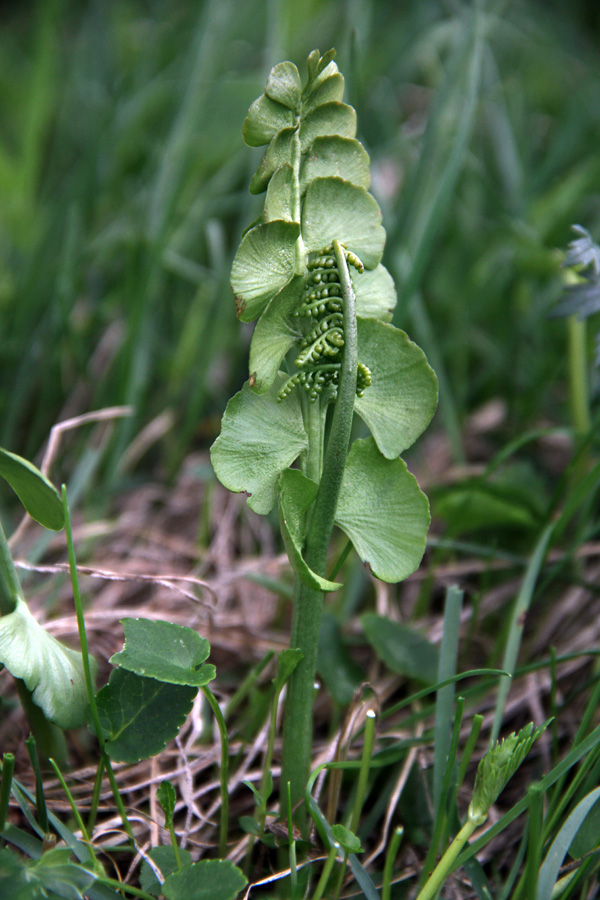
(140, 715)
(165, 651)
(209, 879)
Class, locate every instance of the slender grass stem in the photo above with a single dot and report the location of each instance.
(40, 797)
(248, 683)
(469, 747)
(95, 801)
(390, 858)
(363, 775)
(89, 683)
(224, 777)
(72, 804)
(8, 768)
(329, 864)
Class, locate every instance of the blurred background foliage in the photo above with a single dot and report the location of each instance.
(123, 193)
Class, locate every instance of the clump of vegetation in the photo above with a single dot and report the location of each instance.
(168, 768)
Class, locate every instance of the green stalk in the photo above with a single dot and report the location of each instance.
(89, 682)
(8, 768)
(308, 603)
(444, 867)
(76, 814)
(390, 858)
(363, 775)
(40, 797)
(329, 863)
(212, 700)
(578, 375)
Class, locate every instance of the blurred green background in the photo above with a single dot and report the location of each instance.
(123, 193)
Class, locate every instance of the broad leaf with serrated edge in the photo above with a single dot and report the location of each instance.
(140, 715)
(209, 879)
(276, 332)
(165, 859)
(402, 397)
(39, 497)
(263, 264)
(165, 651)
(296, 496)
(383, 511)
(259, 439)
(53, 672)
(335, 209)
(265, 118)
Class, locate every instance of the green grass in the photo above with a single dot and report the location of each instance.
(122, 185)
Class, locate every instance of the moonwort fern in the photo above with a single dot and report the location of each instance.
(309, 270)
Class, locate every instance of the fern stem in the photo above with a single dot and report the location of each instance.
(308, 603)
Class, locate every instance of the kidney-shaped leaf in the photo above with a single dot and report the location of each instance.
(263, 263)
(265, 118)
(39, 497)
(165, 651)
(140, 715)
(296, 496)
(279, 202)
(278, 153)
(375, 293)
(209, 879)
(383, 511)
(259, 439)
(165, 859)
(330, 118)
(283, 85)
(276, 332)
(327, 87)
(402, 397)
(53, 672)
(335, 156)
(334, 208)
